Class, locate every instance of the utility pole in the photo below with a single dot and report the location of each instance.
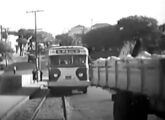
(1, 32)
(6, 34)
(36, 43)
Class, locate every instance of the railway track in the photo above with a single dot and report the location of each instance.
(42, 106)
(38, 108)
(38, 113)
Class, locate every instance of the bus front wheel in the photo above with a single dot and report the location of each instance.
(84, 90)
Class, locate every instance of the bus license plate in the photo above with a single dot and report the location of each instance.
(68, 77)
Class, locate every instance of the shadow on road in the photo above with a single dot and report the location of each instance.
(46, 92)
(22, 91)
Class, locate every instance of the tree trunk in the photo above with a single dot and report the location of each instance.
(6, 60)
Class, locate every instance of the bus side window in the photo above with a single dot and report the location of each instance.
(82, 61)
(89, 60)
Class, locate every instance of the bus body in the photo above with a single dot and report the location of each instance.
(68, 68)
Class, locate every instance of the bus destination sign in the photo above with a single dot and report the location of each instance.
(65, 51)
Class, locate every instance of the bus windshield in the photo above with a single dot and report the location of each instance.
(67, 60)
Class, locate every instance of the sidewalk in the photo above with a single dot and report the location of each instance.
(9, 102)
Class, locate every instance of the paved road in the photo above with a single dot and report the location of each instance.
(95, 105)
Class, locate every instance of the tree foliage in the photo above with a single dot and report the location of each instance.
(5, 48)
(64, 39)
(162, 40)
(41, 35)
(27, 36)
(127, 29)
(44, 37)
(139, 27)
(102, 38)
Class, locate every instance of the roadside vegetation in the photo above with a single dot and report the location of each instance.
(109, 39)
(26, 40)
(103, 41)
(5, 54)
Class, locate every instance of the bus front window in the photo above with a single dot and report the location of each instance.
(68, 60)
(80, 59)
(65, 59)
(54, 60)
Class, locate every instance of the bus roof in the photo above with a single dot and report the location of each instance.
(67, 47)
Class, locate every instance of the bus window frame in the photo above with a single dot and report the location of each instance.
(72, 59)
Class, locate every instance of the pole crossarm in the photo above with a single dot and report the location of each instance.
(34, 11)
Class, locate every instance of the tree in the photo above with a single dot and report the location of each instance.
(64, 39)
(27, 36)
(162, 40)
(5, 47)
(129, 29)
(5, 50)
(140, 27)
(102, 38)
(21, 43)
(45, 38)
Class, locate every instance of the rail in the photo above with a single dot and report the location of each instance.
(38, 108)
(40, 104)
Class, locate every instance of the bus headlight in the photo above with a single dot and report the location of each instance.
(80, 74)
(55, 75)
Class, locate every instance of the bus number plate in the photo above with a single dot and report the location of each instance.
(68, 77)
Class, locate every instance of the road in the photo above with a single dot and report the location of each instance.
(95, 105)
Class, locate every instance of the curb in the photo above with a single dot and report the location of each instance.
(17, 105)
(12, 109)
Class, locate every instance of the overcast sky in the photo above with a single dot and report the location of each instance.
(61, 15)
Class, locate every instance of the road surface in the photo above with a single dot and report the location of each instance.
(95, 105)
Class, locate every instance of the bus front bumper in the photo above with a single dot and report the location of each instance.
(69, 84)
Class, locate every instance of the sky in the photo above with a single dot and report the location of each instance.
(59, 16)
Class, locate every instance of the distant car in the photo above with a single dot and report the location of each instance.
(31, 58)
(2, 63)
(2, 66)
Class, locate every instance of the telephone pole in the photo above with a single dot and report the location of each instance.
(36, 43)
(1, 32)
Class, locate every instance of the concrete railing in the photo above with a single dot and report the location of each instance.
(26, 80)
(14, 82)
(10, 83)
(144, 76)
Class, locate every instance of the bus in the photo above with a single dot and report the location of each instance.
(68, 68)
